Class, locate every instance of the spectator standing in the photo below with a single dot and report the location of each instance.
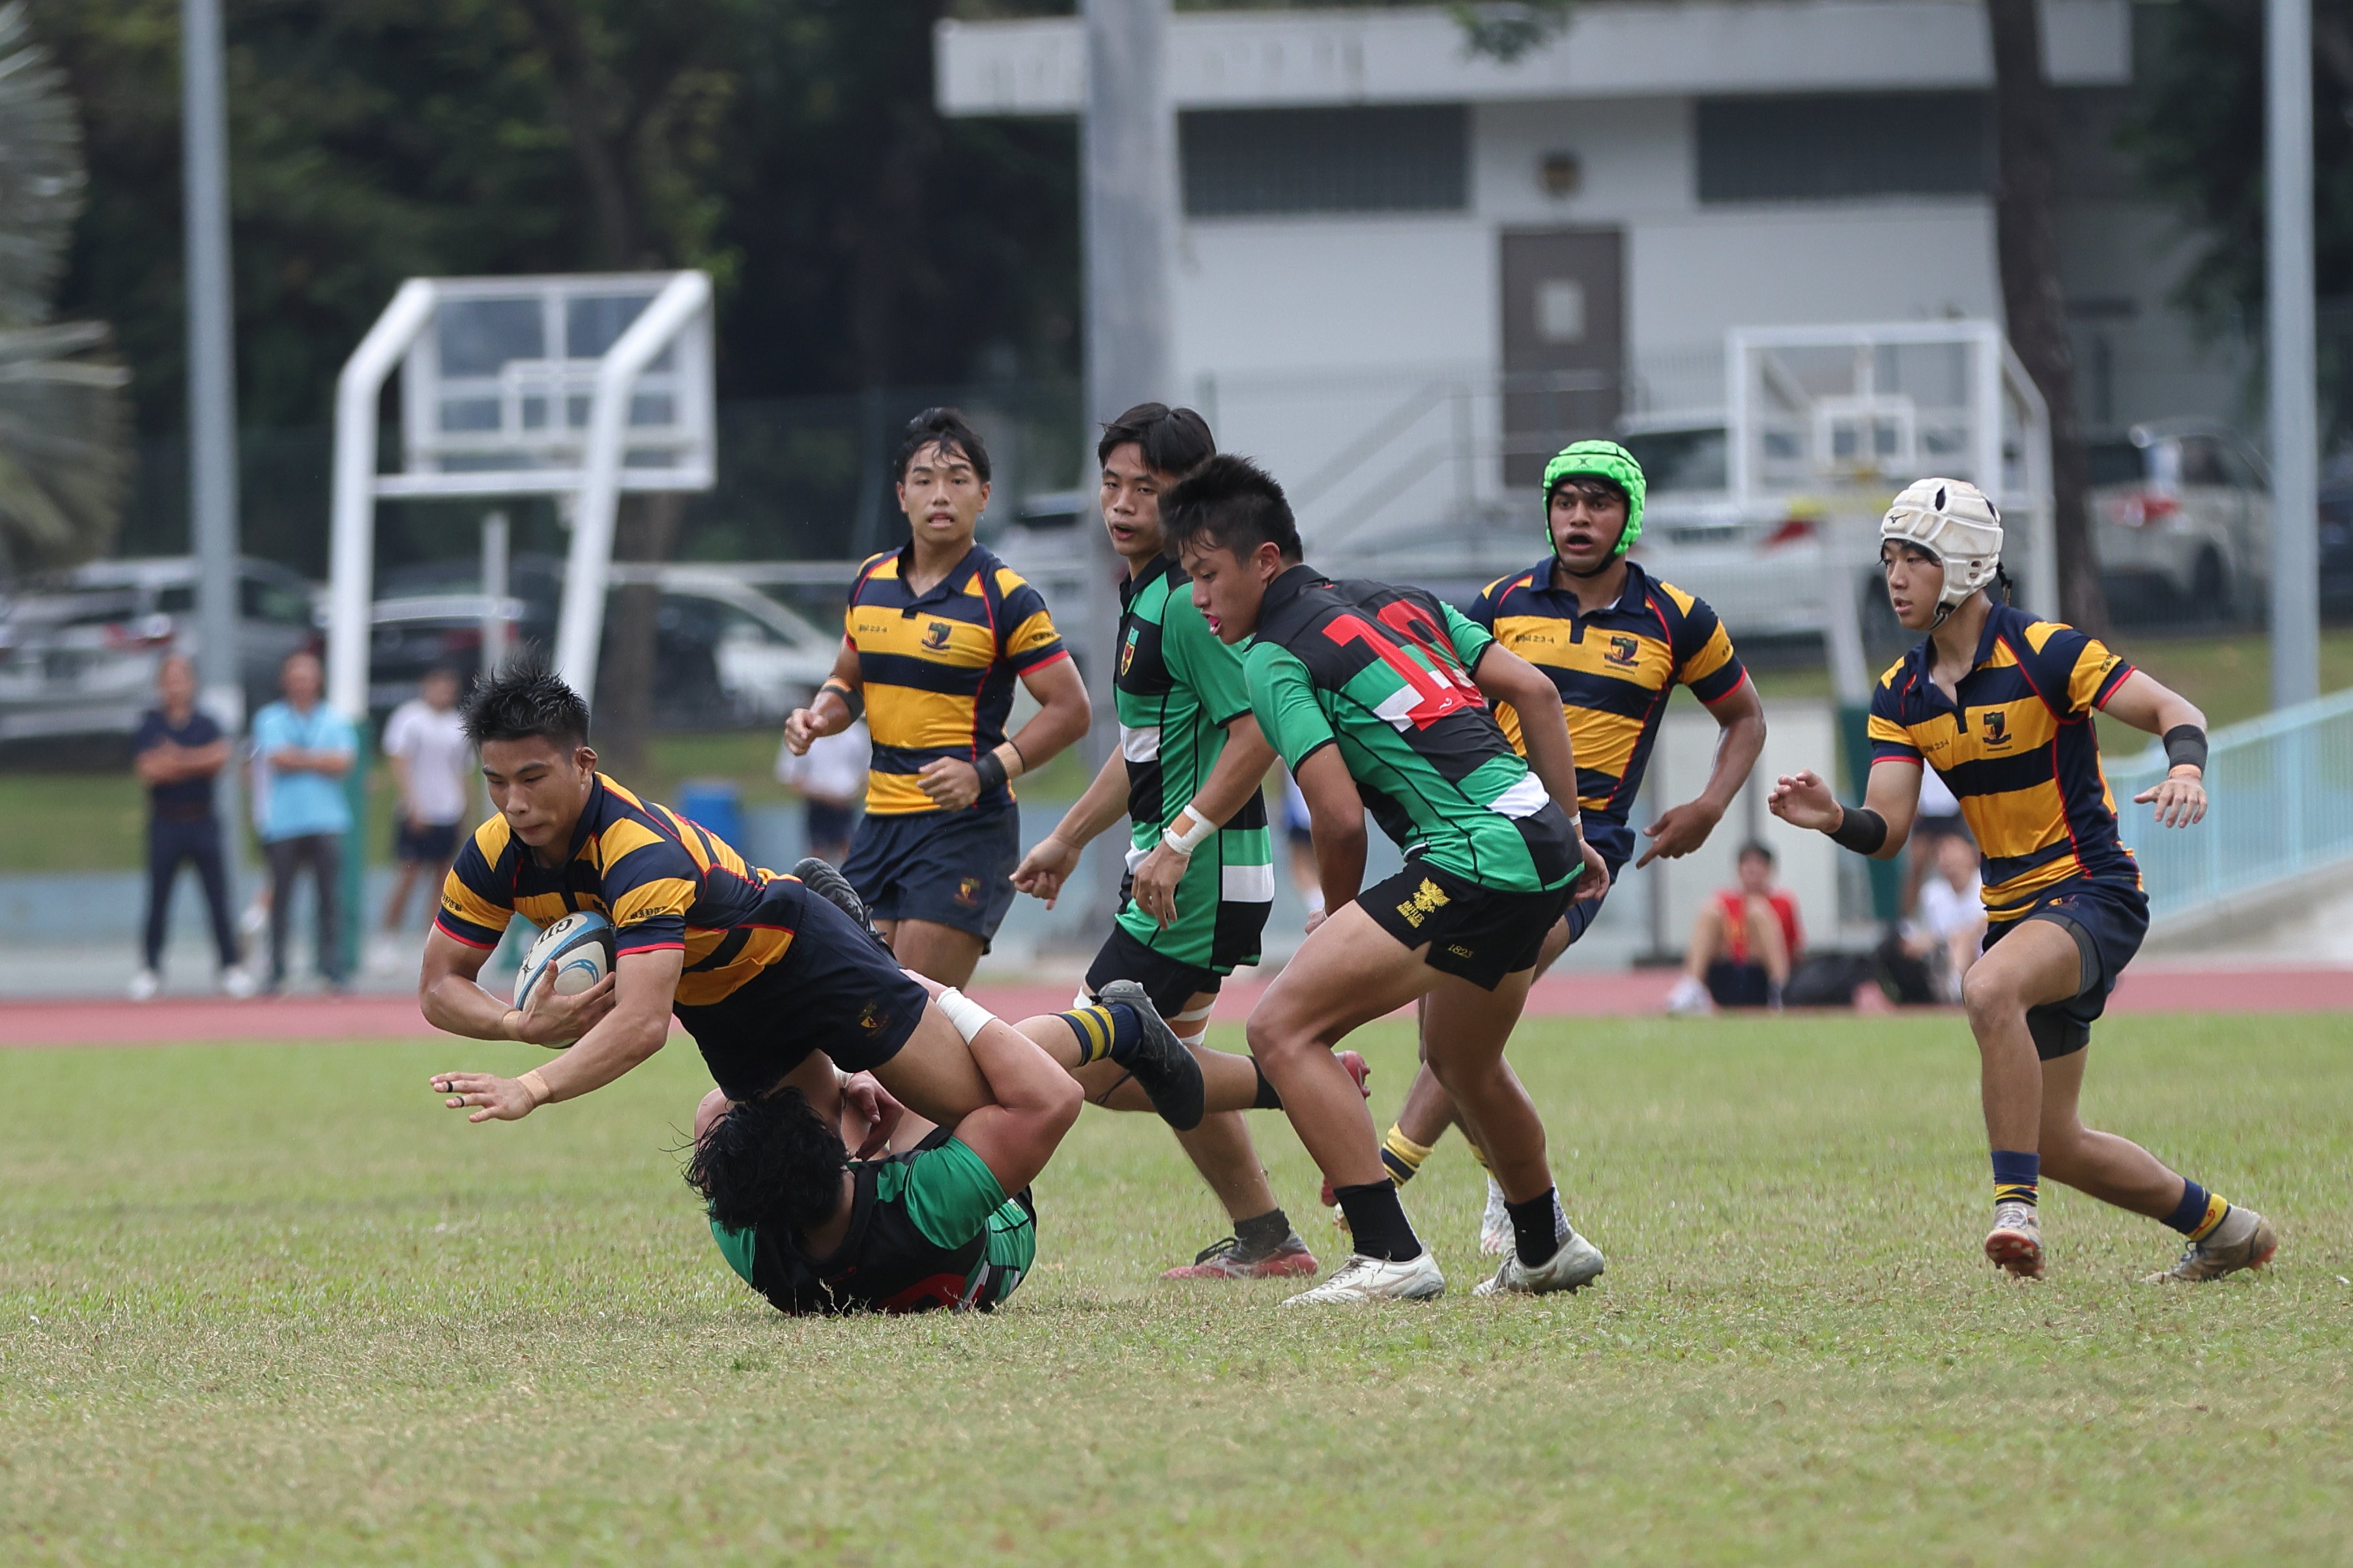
(1948, 926)
(425, 742)
(831, 779)
(178, 752)
(1742, 943)
(302, 750)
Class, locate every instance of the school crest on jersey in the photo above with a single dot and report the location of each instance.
(1997, 727)
(935, 636)
(1623, 650)
(1127, 651)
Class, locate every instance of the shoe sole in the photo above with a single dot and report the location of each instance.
(2017, 1254)
(1288, 1268)
(1163, 1067)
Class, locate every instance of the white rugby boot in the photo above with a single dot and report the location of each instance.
(1573, 1266)
(1362, 1278)
(2245, 1239)
(2016, 1240)
(1495, 1235)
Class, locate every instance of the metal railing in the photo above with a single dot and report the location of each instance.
(2280, 791)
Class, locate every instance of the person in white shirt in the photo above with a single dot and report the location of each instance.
(831, 779)
(1947, 925)
(426, 743)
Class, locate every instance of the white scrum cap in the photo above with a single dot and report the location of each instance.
(1953, 521)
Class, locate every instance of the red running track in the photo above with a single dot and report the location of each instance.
(1608, 995)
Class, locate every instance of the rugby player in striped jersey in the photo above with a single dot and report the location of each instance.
(2000, 703)
(1379, 700)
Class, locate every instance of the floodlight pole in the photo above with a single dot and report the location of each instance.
(211, 376)
(2295, 438)
(351, 589)
(581, 623)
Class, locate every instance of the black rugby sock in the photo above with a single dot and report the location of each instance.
(1532, 1229)
(1262, 1234)
(1376, 1220)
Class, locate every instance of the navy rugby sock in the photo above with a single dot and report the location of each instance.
(2197, 1213)
(1106, 1029)
(2015, 1176)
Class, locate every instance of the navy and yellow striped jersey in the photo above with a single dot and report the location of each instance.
(939, 667)
(1614, 669)
(663, 881)
(2019, 752)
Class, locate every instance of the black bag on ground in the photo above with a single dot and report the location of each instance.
(1829, 979)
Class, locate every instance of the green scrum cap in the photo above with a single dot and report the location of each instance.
(1601, 461)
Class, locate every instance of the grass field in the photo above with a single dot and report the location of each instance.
(271, 1305)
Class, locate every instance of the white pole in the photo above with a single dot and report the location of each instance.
(2295, 437)
(351, 581)
(494, 593)
(581, 625)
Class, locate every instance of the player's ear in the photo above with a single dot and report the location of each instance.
(584, 757)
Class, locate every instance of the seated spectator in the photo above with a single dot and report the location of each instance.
(1742, 943)
(1939, 818)
(1947, 929)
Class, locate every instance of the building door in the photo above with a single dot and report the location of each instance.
(1564, 343)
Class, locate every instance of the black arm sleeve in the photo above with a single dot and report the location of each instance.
(1863, 831)
(2186, 743)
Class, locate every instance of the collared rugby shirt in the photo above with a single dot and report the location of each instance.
(2018, 751)
(663, 881)
(1614, 669)
(938, 667)
(1384, 673)
(1176, 688)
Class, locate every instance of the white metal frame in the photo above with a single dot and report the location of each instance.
(591, 466)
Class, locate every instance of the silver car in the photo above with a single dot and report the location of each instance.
(2181, 519)
(79, 648)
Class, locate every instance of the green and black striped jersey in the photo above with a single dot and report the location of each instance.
(1176, 688)
(1384, 673)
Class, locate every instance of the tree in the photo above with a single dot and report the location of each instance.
(2033, 302)
(61, 415)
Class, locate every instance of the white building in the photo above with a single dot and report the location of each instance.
(1406, 271)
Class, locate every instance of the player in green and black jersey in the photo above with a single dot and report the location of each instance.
(1200, 863)
(1378, 697)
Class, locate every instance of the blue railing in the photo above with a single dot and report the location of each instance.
(2280, 791)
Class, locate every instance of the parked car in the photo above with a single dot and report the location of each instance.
(79, 648)
(2180, 521)
(1758, 566)
(725, 653)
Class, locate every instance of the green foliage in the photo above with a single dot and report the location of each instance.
(789, 146)
(273, 1304)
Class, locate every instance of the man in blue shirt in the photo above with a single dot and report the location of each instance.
(178, 752)
(302, 749)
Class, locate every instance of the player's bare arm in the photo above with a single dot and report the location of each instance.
(451, 998)
(1503, 677)
(634, 1028)
(1337, 814)
(2145, 704)
(1802, 800)
(1052, 861)
(1739, 714)
(1063, 714)
(1238, 774)
(833, 708)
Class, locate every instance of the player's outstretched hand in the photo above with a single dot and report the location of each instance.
(1679, 830)
(1593, 880)
(556, 1021)
(1045, 869)
(951, 784)
(1802, 800)
(800, 729)
(487, 1096)
(1154, 891)
(875, 1106)
(2180, 799)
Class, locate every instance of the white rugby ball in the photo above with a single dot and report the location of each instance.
(570, 956)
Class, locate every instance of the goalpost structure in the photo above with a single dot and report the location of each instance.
(580, 387)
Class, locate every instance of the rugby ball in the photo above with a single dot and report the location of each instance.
(571, 955)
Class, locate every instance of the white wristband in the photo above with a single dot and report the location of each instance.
(968, 1015)
(1185, 843)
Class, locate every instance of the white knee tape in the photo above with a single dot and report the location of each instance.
(968, 1015)
(1081, 1000)
(1195, 1015)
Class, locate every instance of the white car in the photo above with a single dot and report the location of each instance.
(2181, 519)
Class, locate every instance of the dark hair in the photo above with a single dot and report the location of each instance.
(1175, 440)
(772, 1161)
(1586, 484)
(947, 429)
(1755, 847)
(1229, 503)
(523, 699)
